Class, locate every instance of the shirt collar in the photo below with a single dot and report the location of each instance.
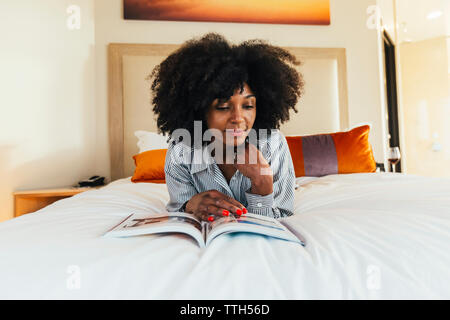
(195, 168)
(200, 160)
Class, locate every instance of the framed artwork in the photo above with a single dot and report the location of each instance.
(300, 12)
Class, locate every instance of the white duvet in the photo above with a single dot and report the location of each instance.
(369, 236)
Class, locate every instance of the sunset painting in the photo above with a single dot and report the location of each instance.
(313, 12)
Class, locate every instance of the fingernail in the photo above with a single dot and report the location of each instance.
(226, 213)
(244, 211)
(239, 212)
(211, 218)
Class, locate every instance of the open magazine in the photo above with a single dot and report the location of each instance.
(203, 232)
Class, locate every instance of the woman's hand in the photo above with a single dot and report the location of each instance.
(212, 203)
(259, 173)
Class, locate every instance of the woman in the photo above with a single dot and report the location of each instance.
(229, 93)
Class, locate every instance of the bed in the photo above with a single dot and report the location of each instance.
(369, 236)
(373, 235)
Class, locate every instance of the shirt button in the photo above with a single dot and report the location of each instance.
(259, 204)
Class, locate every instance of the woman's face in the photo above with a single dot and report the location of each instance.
(235, 117)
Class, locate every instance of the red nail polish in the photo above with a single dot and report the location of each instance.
(238, 212)
(244, 210)
(211, 218)
(226, 213)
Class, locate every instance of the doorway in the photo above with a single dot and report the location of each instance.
(391, 95)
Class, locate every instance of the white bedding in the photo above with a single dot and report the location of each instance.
(369, 236)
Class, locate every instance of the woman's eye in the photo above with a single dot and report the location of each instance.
(227, 108)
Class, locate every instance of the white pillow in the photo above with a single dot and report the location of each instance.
(150, 141)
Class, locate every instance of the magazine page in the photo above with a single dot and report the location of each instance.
(141, 224)
(251, 223)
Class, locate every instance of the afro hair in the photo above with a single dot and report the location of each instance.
(204, 69)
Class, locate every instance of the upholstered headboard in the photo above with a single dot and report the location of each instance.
(323, 107)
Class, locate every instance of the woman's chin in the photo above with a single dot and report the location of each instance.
(237, 141)
(234, 140)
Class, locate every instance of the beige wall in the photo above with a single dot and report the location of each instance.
(47, 123)
(348, 29)
(426, 106)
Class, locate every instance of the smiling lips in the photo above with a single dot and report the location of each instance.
(235, 132)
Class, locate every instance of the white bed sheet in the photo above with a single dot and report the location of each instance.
(369, 236)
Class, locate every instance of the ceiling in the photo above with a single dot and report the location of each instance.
(414, 24)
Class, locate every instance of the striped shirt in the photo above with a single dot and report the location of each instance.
(186, 178)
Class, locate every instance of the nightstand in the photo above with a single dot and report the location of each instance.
(33, 200)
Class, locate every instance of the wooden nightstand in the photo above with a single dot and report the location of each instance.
(33, 200)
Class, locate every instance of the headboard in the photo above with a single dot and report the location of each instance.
(322, 109)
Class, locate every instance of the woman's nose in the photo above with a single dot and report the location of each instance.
(237, 115)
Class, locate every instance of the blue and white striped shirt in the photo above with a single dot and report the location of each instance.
(185, 179)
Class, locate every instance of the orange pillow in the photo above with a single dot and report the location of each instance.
(150, 166)
(333, 153)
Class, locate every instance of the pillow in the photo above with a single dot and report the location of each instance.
(150, 166)
(333, 153)
(150, 140)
